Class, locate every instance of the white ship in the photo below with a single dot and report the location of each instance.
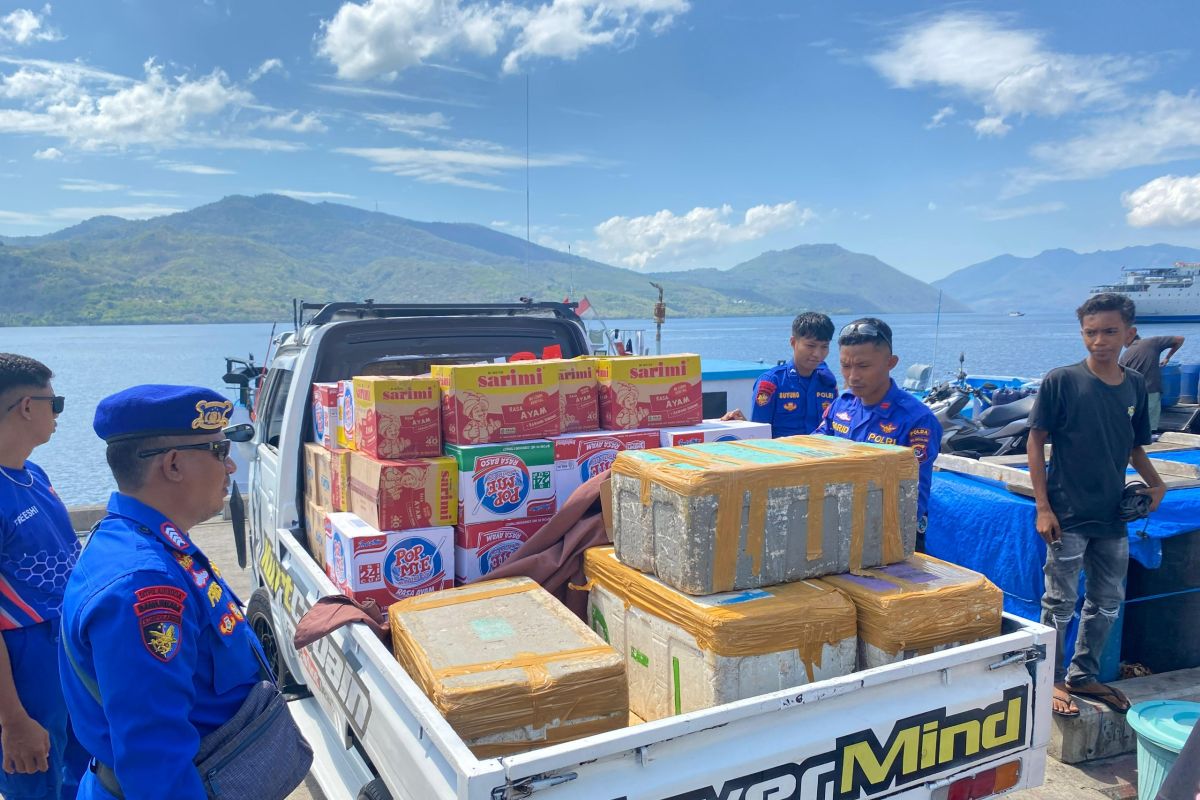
(1161, 294)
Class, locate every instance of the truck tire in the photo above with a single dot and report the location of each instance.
(258, 614)
(375, 790)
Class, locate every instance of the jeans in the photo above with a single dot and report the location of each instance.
(1154, 408)
(1104, 561)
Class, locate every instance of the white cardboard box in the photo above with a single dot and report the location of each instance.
(714, 430)
(388, 565)
(580, 456)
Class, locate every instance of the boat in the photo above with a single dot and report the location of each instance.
(1161, 294)
(1016, 313)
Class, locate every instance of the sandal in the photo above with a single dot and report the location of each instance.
(1062, 703)
(1109, 695)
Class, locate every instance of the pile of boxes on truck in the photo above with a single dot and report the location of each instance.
(742, 565)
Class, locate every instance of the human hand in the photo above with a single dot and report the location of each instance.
(26, 746)
(1164, 361)
(735, 415)
(1156, 494)
(1047, 527)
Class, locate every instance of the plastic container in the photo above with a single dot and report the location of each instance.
(1171, 383)
(1161, 606)
(1162, 728)
(1189, 378)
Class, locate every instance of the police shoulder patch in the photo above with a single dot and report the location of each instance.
(159, 611)
(763, 392)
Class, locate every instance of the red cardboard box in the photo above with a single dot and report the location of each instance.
(480, 548)
(399, 495)
(490, 403)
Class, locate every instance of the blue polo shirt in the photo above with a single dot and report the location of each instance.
(793, 404)
(899, 418)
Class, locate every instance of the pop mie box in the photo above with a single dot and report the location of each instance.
(325, 414)
(715, 430)
(649, 391)
(397, 417)
(388, 566)
(504, 481)
(579, 394)
(480, 548)
(580, 456)
(484, 403)
(345, 414)
(403, 494)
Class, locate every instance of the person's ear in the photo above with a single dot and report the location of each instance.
(893, 360)
(172, 466)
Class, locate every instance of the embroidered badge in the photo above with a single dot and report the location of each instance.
(173, 535)
(212, 415)
(765, 390)
(214, 593)
(887, 427)
(789, 406)
(229, 621)
(843, 415)
(160, 616)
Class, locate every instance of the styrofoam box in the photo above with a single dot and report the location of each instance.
(388, 565)
(580, 456)
(715, 430)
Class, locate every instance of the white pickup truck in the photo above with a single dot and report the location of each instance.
(967, 722)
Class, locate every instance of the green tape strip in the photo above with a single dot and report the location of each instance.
(675, 670)
(639, 656)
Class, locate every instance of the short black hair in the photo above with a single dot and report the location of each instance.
(17, 371)
(127, 468)
(1108, 301)
(851, 336)
(812, 325)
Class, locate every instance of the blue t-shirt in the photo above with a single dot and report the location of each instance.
(792, 403)
(38, 548)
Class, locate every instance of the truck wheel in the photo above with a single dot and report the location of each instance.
(258, 614)
(375, 790)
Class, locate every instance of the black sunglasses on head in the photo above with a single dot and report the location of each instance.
(866, 329)
(219, 449)
(57, 402)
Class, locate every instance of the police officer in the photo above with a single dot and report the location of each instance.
(793, 395)
(156, 653)
(38, 548)
(875, 409)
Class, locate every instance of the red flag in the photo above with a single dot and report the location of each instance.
(583, 306)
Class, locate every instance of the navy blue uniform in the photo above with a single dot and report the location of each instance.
(899, 418)
(38, 549)
(154, 625)
(792, 403)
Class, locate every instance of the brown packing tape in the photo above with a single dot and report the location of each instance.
(804, 615)
(463, 594)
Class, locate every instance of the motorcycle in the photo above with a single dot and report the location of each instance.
(996, 430)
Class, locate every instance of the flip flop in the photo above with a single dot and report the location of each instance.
(1064, 698)
(1109, 695)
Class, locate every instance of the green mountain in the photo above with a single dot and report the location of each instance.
(245, 258)
(822, 277)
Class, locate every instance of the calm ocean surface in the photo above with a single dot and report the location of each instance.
(91, 362)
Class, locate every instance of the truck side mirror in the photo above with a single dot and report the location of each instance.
(242, 432)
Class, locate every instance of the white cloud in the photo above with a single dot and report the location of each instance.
(938, 120)
(293, 122)
(265, 68)
(381, 38)
(302, 195)
(641, 242)
(412, 124)
(469, 168)
(193, 169)
(89, 185)
(127, 212)
(1006, 70)
(153, 193)
(22, 218)
(371, 91)
(24, 27)
(1167, 201)
(1016, 212)
(49, 154)
(991, 126)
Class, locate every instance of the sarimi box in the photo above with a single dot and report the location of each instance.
(397, 417)
(580, 456)
(499, 402)
(649, 391)
(480, 548)
(339, 479)
(504, 481)
(715, 430)
(579, 394)
(388, 566)
(403, 494)
(325, 414)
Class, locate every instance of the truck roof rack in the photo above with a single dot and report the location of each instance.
(368, 309)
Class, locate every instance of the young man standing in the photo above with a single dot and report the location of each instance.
(793, 395)
(1095, 414)
(38, 549)
(1142, 355)
(875, 409)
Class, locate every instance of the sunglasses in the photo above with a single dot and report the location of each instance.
(57, 402)
(866, 329)
(219, 449)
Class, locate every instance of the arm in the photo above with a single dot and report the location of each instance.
(762, 402)
(1176, 343)
(25, 743)
(1047, 522)
(1155, 486)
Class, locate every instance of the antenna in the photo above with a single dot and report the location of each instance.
(527, 158)
(936, 330)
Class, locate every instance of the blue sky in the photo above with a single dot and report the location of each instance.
(663, 133)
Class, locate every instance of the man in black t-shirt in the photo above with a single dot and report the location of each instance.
(1142, 355)
(1095, 415)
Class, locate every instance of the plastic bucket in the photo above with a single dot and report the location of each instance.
(1162, 728)
(1189, 376)
(1170, 385)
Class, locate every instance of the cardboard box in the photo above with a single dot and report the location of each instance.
(389, 566)
(399, 495)
(715, 430)
(504, 481)
(580, 456)
(339, 479)
(312, 452)
(466, 648)
(649, 391)
(345, 428)
(397, 417)
(480, 548)
(484, 403)
(579, 395)
(325, 414)
(314, 525)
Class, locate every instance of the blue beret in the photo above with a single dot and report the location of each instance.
(156, 409)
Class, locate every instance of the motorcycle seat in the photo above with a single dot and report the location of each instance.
(999, 416)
